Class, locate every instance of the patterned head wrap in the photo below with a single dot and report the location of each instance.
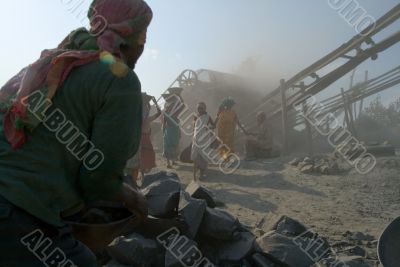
(113, 23)
(227, 103)
(202, 104)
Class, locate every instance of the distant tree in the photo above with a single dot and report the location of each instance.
(388, 116)
(394, 112)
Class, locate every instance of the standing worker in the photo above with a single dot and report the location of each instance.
(145, 159)
(259, 145)
(147, 154)
(202, 125)
(226, 122)
(171, 125)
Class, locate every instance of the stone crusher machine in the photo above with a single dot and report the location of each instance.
(211, 87)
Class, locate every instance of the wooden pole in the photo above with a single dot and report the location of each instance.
(362, 100)
(353, 128)
(346, 112)
(285, 142)
(353, 108)
(308, 132)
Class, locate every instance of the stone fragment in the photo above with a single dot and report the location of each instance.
(182, 252)
(355, 251)
(235, 251)
(192, 211)
(295, 162)
(200, 192)
(262, 261)
(209, 249)
(298, 252)
(307, 169)
(163, 198)
(362, 237)
(302, 164)
(289, 227)
(324, 169)
(219, 225)
(345, 261)
(308, 160)
(160, 176)
(114, 263)
(133, 250)
(246, 263)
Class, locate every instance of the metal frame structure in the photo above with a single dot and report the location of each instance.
(355, 94)
(351, 51)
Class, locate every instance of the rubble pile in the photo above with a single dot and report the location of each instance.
(327, 165)
(389, 163)
(212, 237)
(354, 249)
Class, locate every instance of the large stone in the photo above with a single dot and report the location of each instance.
(237, 250)
(219, 225)
(163, 198)
(246, 263)
(200, 192)
(261, 261)
(134, 250)
(295, 162)
(289, 227)
(308, 160)
(192, 211)
(154, 227)
(294, 252)
(345, 261)
(355, 251)
(324, 169)
(209, 250)
(362, 237)
(160, 176)
(302, 164)
(114, 263)
(180, 253)
(307, 169)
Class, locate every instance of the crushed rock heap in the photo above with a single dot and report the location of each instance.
(323, 164)
(194, 232)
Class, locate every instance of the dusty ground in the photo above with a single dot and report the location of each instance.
(260, 191)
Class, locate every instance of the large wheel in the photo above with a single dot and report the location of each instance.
(188, 78)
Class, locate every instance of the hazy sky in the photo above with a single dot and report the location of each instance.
(286, 36)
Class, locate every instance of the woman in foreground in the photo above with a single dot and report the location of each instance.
(70, 122)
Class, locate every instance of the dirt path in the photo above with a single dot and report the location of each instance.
(261, 191)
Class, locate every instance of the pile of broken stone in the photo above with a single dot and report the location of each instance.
(213, 237)
(389, 163)
(327, 165)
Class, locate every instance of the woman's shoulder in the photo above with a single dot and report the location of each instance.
(117, 71)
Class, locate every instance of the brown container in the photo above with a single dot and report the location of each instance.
(98, 236)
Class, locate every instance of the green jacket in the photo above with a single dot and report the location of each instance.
(68, 162)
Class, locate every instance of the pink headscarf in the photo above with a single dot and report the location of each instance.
(113, 23)
(119, 19)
